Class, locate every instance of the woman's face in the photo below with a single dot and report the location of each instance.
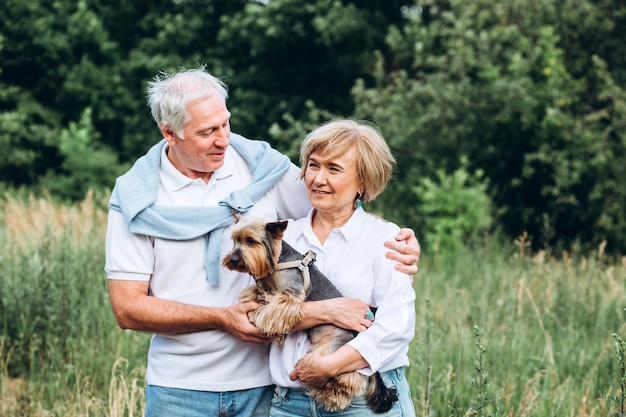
(332, 182)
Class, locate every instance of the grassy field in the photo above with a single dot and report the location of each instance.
(500, 332)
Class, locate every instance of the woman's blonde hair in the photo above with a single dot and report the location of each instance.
(373, 157)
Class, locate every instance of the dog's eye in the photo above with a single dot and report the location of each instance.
(250, 241)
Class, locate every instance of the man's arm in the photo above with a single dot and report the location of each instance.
(134, 309)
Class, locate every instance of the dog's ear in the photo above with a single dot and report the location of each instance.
(236, 215)
(276, 229)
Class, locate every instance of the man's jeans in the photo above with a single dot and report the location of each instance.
(173, 402)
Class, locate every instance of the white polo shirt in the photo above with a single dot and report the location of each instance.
(212, 360)
(353, 258)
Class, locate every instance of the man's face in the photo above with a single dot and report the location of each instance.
(206, 138)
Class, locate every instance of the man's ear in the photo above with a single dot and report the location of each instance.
(276, 229)
(168, 134)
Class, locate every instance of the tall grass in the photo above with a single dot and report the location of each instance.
(501, 332)
(546, 328)
(59, 342)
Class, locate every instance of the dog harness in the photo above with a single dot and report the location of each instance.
(302, 265)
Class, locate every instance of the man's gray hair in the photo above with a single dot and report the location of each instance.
(169, 95)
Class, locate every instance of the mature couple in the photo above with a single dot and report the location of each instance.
(169, 226)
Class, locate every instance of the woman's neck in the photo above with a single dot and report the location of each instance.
(324, 223)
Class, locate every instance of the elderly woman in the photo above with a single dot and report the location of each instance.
(346, 163)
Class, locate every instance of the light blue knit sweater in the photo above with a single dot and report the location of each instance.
(135, 194)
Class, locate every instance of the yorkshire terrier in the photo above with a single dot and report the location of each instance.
(285, 279)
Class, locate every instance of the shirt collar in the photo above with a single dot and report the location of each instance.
(175, 180)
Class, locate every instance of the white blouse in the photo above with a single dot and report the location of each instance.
(353, 258)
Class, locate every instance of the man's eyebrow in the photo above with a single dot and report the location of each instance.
(206, 129)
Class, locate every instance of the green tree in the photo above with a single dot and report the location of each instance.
(25, 136)
(67, 56)
(281, 54)
(87, 164)
(62, 57)
(57, 60)
(497, 82)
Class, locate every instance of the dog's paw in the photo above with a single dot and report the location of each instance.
(270, 324)
(252, 316)
(279, 340)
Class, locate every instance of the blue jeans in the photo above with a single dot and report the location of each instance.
(173, 402)
(289, 402)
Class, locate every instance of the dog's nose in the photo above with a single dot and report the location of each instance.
(234, 260)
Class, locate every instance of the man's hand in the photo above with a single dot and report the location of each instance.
(348, 313)
(236, 323)
(405, 251)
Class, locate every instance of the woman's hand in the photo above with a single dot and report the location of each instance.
(312, 371)
(347, 313)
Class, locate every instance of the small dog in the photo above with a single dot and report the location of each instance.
(284, 280)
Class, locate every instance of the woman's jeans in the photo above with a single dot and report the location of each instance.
(288, 402)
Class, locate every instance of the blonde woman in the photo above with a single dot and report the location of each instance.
(344, 164)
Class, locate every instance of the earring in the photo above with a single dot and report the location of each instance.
(358, 202)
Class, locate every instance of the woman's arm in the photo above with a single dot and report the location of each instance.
(347, 313)
(387, 336)
(316, 370)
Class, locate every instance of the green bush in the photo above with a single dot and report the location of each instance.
(87, 164)
(455, 208)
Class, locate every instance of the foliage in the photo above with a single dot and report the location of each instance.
(545, 324)
(26, 135)
(506, 85)
(532, 93)
(87, 164)
(454, 209)
(479, 405)
(620, 352)
(281, 54)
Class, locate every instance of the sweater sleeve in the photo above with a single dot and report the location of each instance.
(289, 196)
